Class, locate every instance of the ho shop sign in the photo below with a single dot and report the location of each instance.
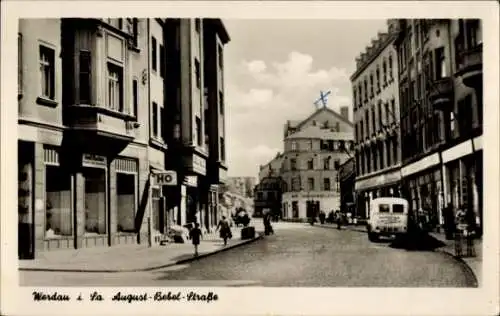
(165, 178)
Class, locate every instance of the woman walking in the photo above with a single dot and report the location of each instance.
(224, 230)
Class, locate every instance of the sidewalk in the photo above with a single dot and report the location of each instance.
(131, 258)
(474, 263)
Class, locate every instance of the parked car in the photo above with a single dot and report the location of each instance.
(388, 217)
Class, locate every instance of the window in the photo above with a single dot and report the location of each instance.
(95, 200)
(310, 164)
(388, 152)
(59, 218)
(474, 36)
(310, 184)
(398, 208)
(198, 132)
(440, 63)
(85, 77)
(465, 115)
(154, 54)
(160, 123)
(373, 122)
(361, 131)
(371, 85)
(336, 164)
(326, 163)
(135, 97)
(354, 97)
(125, 202)
(326, 184)
(356, 132)
(294, 145)
(197, 73)
(19, 64)
(378, 79)
(337, 126)
(222, 149)
(380, 120)
(367, 123)
(221, 57)
(384, 72)
(417, 36)
(221, 103)
(293, 164)
(120, 24)
(132, 29)
(366, 89)
(115, 87)
(47, 72)
(197, 25)
(395, 150)
(337, 183)
(390, 68)
(155, 120)
(393, 110)
(384, 208)
(162, 61)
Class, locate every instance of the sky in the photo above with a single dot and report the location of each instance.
(275, 70)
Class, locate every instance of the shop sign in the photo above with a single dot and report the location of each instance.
(192, 181)
(165, 178)
(91, 160)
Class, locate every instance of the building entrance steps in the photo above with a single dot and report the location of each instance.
(131, 258)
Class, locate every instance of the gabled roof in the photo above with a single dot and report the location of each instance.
(316, 131)
(337, 115)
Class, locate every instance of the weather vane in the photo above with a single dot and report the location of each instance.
(323, 98)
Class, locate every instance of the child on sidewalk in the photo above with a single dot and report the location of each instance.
(195, 235)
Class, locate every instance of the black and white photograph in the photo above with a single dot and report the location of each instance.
(213, 154)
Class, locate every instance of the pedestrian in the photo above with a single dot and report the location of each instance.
(195, 235)
(449, 226)
(339, 219)
(461, 227)
(224, 230)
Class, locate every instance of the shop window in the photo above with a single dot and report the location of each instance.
(59, 219)
(126, 201)
(95, 200)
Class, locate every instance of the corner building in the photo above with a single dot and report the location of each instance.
(440, 78)
(376, 122)
(83, 133)
(314, 149)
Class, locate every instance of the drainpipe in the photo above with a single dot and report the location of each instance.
(149, 179)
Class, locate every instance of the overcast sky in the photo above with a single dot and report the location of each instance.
(275, 70)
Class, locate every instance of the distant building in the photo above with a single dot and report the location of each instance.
(269, 192)
(376, 122)
(314, 149)
(243, 186)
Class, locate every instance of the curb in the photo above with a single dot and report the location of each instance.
(462, 262)
(182, 261)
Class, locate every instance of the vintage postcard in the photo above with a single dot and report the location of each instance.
(269, 158)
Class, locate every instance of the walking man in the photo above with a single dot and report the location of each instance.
(195, 235)
(224, 230)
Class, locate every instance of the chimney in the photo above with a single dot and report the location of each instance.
(344, 112)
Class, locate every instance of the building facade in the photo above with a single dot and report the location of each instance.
(376, 122)
(440, 79)
(314, 149)
(93, 125)
(243, 186)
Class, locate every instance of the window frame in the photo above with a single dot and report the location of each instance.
(49, 64)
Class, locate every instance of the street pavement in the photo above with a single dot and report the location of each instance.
(298, 255)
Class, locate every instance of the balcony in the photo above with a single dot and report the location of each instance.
(441, 93)
(94, 128)
(470, 67)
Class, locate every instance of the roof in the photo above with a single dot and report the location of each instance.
(316, 131)
(325, 109)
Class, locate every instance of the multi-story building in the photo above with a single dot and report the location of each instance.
(314, 149)
(376, 122)
(196, 124)
(94, 124)
(440, 79)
